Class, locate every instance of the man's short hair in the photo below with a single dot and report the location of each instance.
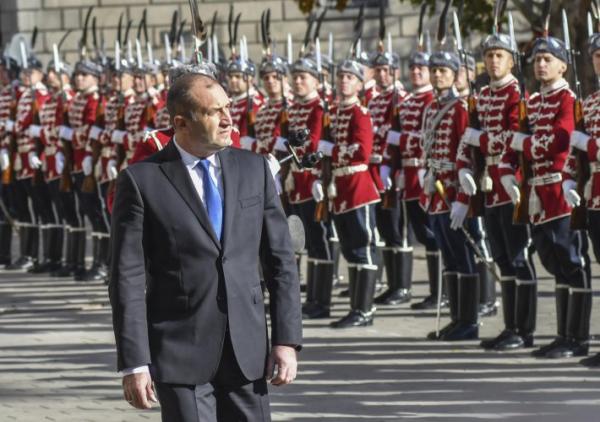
(180, 100)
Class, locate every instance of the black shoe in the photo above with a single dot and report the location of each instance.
(568, 349)
(430, 302)
(491, 343)
(433, 336)
(93, 274)
(63, 271)
(592, 361)
(515, 341)
(542, 351)
(23, 263)
(344, 293)
(355, 318)
(462, 331)
(393, 297)
(488, 309)
(316, 311)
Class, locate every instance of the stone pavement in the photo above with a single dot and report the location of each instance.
(57, 364)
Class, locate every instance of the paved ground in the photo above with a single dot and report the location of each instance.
(57, 364)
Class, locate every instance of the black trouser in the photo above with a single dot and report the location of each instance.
(390, 224)
(563, 252)
(356, 231)
(64, 203)
(21, 191)
(509, 243)
(229, 396)
(92, 206)
(419, 223)
(457, 254)
(43, 206)
(317, 234)
(594, 231)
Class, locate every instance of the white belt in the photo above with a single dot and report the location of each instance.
(376, 158)
(441, 165)
(546, 179)
(493, 160)
(346, 171)
(595, 167)
(411, 162)
(22, 149)
(50, 150)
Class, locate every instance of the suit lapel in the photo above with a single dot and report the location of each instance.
(230, 174)
(178, 175)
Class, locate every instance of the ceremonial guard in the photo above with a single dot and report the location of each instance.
(496, 118)
(580, 193)
(27, 162)
(353, 195)
(444, 122)
(543, 152)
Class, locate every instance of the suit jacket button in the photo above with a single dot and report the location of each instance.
(224, 259)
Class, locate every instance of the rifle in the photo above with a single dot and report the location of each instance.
(582, 164)
(7, 173)
(322, 208)
(521, 211)
(390, 196)
(477, 201)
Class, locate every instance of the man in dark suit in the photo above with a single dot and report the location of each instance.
(189, 225)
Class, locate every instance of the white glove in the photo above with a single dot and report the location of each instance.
(87, 165)
(570, 192)
(34, 161)
(35, 131)
(511, 186)
(246, 142)
(385, 172)
(393, 137)
(467, 182)
(66, 133)
(317, 191)
(118, 136)
(579, 140)
(95, 132)
(4, 159)
(325, 147)
(9, 125)
(59, 160)
(280, 144)
(517, 141)
(111, 169)
(458, 213)
(421, 175)
(471, 137)
(274, 165)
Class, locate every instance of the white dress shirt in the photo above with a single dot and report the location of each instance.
(196, 174)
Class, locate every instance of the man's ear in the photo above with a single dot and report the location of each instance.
(179, 122)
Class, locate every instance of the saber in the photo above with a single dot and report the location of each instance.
(439, 187)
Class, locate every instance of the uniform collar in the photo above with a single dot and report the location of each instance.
(423, 89)
(308, 98)
(349, 102)
(508, 79)
(90, 90)
(559, 84)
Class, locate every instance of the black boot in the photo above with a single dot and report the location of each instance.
(323, 283)
(51, 246)
(361, 304)
(5, 243)
(336, 252)
(389, 264)
(508, 290)
(399, 290)
(467, 327)
(487, 291)
(80, 244)
(25, 261)
(451, 283)
(578, 326)
(67, 268)
(434, 271)
(526, 311)
(379, 284)
(562, 306)
(592, 361)
(309, 302)
(98, 271)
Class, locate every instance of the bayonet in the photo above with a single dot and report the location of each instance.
(289, 49)
(318, 55)
(56, 58)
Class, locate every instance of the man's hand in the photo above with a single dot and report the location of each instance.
(285, 358)
(138, 391)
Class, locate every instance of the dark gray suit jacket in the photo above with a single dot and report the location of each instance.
(175, 287)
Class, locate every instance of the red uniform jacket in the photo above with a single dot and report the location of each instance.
(82, 115)
(267, 126)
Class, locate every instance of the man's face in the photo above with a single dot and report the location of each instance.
(547, 68)
(463, 78)
(596, 61)
(442, 78)
(236, 84)
(419, 76)
(4, 76)
(211, 122)
(53, 79)
(139, 83)
(84, 81)
(498, 63)
(30, 77)
(272, 83)
(303, 84)
(348, 85)
(383, 76)
(126, 82)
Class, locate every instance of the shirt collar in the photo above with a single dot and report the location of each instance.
(423, 89)
(190, 160)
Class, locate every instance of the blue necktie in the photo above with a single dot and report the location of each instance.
(212, 199)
